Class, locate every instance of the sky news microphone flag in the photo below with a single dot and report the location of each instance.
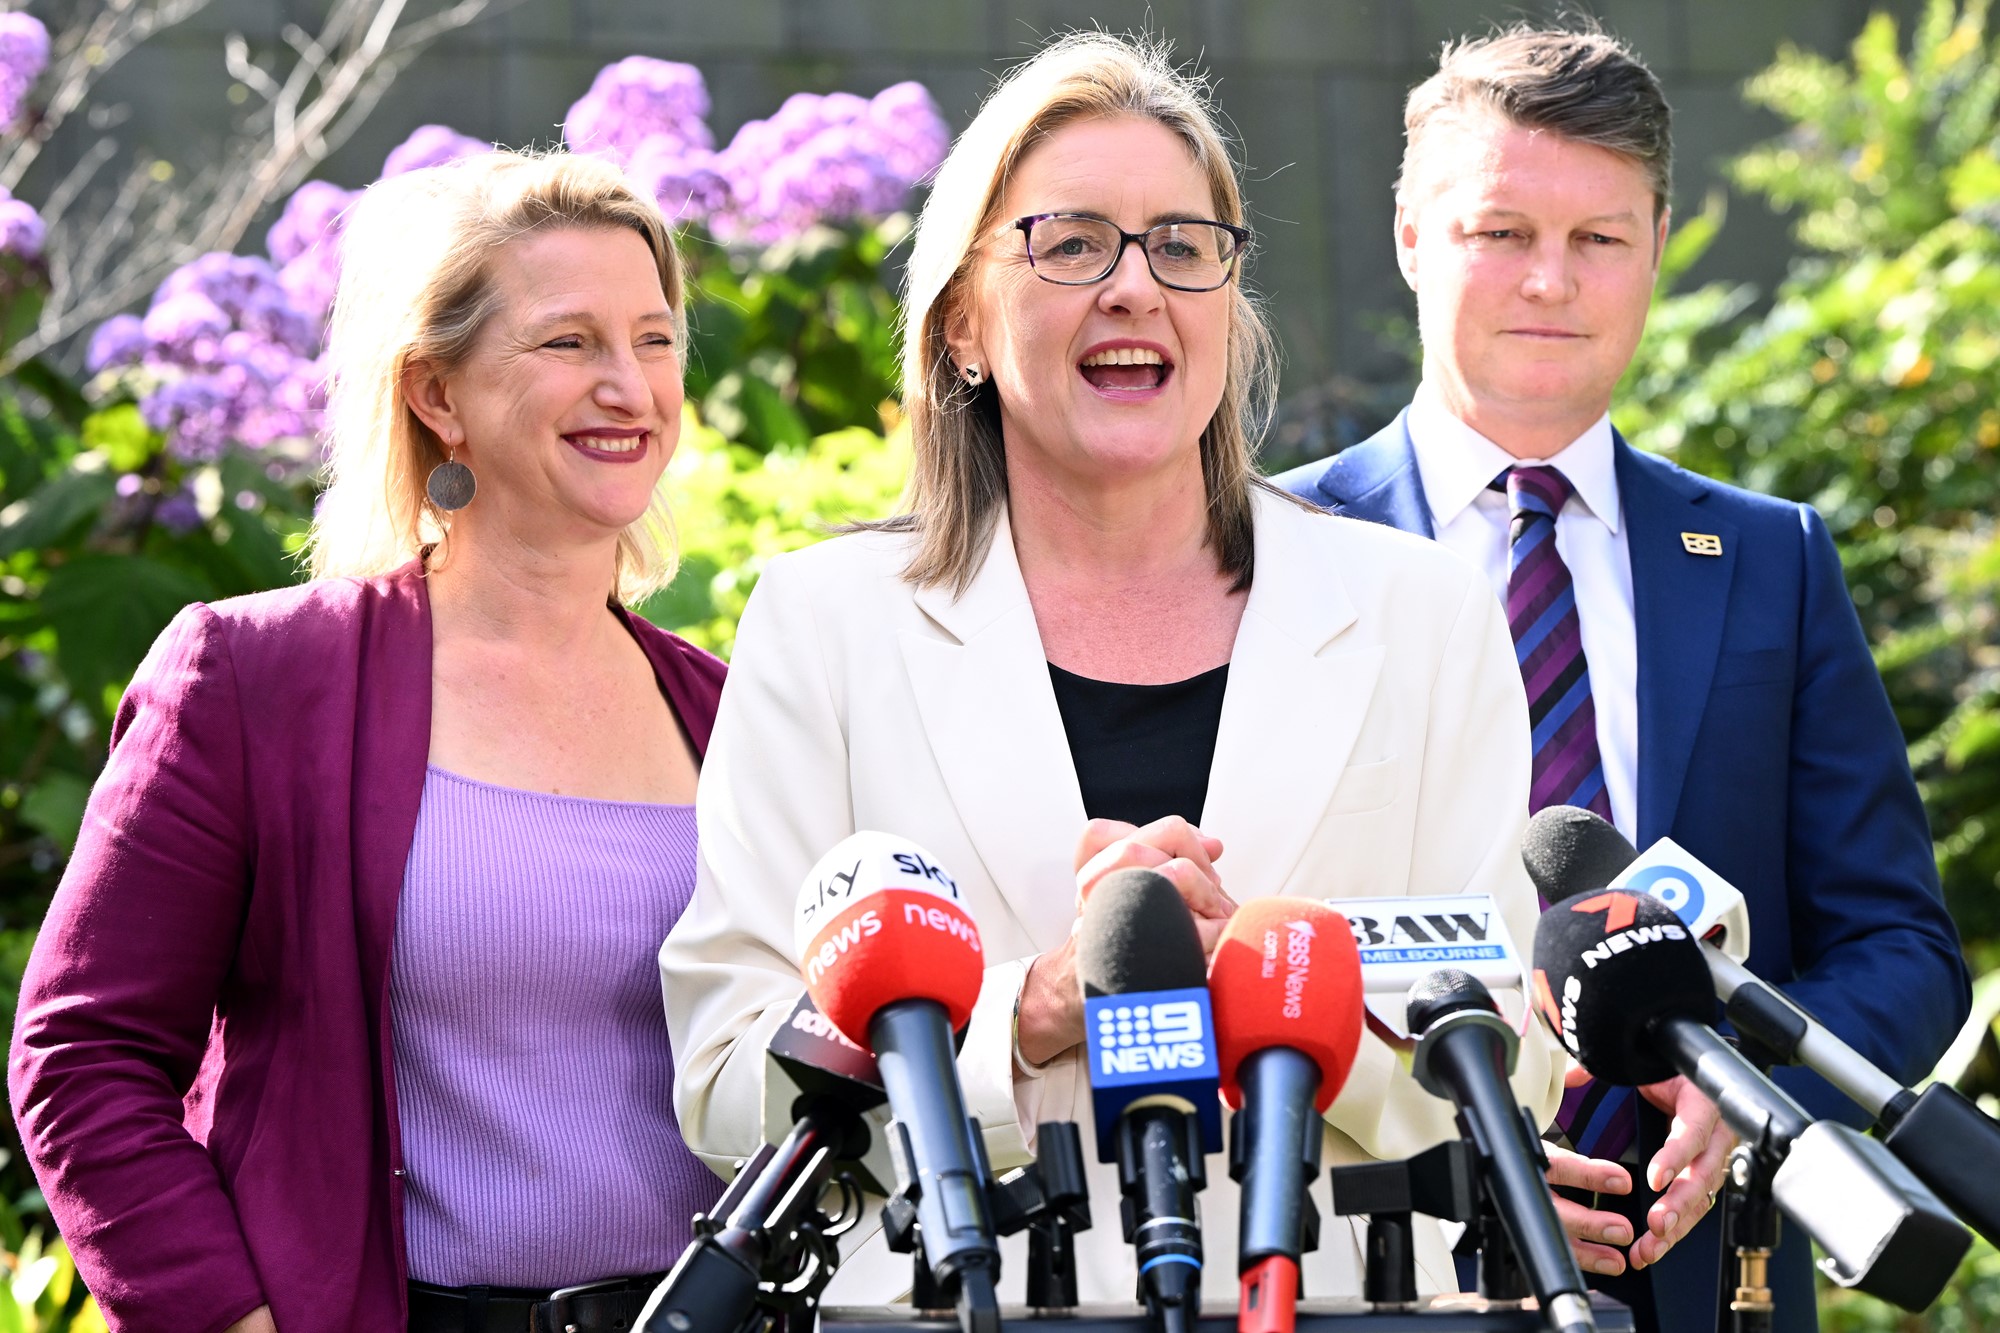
(892, 958)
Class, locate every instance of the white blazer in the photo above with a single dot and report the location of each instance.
(1373, 742)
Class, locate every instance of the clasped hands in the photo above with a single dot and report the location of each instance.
(1050, 1018)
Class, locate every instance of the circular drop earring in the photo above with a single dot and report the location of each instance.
(451, 484)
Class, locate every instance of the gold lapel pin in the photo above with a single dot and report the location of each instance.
(1701, 543)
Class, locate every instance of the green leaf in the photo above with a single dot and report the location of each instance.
(55, 389)
(107, 610)
(57, 506)
(121, 434)
(54, 806)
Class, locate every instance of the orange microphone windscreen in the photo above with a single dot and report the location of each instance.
(1287, 973)
(878, 921)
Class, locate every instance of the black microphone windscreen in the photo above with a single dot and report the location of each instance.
(1137, 935)
(1569, 850)
(1608, 965)
(1445, 991)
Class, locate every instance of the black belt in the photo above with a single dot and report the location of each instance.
(611, 1306)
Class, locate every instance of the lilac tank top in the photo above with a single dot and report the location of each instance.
(534, 1083)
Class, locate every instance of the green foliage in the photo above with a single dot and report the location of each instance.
(737, 509)
(39, 1290)
(1866, 387)
(797, 340)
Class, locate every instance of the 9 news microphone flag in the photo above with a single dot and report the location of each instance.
(1149, 1037)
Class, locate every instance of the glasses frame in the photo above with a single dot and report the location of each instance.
(1026, 226)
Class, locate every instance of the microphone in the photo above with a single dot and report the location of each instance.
(1286, 981)
(1625, 987)
(1149, 1035)
(1951, 1145)
(823, 1116)
(810, 1062)
(1465, 1051)
(892, 958)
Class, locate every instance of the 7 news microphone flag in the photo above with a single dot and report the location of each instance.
(1622, 982)
(1951, 1145)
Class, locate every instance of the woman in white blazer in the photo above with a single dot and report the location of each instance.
(1085, 377)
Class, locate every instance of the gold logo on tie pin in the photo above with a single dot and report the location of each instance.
(1701, 543)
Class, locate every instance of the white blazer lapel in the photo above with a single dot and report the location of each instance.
(1274, 774)
(990, 716)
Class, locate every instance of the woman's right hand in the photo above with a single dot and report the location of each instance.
(1050, 1018)
(257, 1321)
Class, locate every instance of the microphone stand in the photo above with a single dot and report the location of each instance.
(1750, 1219)
(1048, 1198)
(768, 1249)
(1750, 1225)
(1441, 1182)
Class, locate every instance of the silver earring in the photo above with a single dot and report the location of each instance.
(451, 483)
(973, 377)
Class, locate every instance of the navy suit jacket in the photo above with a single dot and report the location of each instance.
(1767, 748)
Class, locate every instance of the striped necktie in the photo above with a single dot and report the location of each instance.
(1597, 1120)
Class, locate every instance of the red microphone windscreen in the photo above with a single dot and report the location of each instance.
(1287, 973)
(879, 921)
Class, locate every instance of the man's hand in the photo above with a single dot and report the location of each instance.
(1687, 1170)
(1591, 1233)
(1686, 1173)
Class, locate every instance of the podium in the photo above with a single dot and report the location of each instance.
(1443, 1314)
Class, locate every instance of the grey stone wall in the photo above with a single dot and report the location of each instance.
(1314, 88)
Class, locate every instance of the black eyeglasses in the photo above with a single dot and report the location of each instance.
(1075, 250)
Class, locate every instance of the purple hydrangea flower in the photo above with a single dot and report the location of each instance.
(432, 146)
(828, 159)
(686, 181)
(230, 342)
(21, 233)
(178, 513)
(184, 329)
(194, 414)
(24, 54)
(119, 341)
(234, 283)
(910, 133)
(305, 244)
(312, 218)
(637, 99)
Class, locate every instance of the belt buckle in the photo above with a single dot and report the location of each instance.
(560, 1298)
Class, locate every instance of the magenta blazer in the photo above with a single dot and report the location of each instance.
(201, 1065)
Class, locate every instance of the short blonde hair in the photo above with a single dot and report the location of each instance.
(958, 478)
(416, 285)
(1584, 85)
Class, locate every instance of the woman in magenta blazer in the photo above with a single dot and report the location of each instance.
(345, 1015)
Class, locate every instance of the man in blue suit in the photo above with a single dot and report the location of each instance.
(1693, 663)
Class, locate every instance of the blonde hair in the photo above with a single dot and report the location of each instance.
(416, 286)
(958, 478)
(1587, 86)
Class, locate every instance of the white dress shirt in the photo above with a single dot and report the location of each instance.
(1457, 464)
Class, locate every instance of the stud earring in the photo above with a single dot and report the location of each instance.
(451, 484)
(973, 377)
